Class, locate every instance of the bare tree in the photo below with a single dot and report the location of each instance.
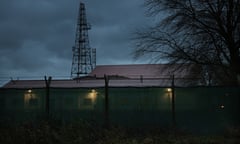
(203, 32)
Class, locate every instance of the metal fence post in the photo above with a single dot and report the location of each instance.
(106, 112)
(47, 82)
(173, 103)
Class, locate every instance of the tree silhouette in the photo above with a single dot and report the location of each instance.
(203, 32)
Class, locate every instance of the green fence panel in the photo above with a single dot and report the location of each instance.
(20, 105)
(206, 109)
(75, 104)
(209, 109)
(139, 107)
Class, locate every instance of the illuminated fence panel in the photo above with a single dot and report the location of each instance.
(75, 104)
(196, 108)
(19, 105)
(139, 107)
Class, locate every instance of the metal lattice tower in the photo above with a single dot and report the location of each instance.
(84, 57)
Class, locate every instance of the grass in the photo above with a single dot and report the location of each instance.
(86, 133)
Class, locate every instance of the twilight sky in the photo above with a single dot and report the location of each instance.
(36, 36)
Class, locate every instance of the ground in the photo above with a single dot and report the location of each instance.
(86, 133)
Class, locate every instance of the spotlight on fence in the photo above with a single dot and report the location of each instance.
(222, 106)
(29, 91)
(92, 95)
(169, 90)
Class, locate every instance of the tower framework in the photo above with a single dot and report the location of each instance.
(84, 57)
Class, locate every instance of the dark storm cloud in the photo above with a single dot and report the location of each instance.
(36, 37)
(113, 23)
(34, 32)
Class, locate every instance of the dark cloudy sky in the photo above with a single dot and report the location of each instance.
(36, 36)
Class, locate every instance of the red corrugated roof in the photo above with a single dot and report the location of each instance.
(142, 75)
(54, 83)
(137, 70)
(97, 83)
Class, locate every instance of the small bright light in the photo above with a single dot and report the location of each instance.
(222, 106)
(92, 94)
(29, 91)
(169, 90)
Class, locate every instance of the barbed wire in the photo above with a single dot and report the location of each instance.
(164, 79)
(6, 79)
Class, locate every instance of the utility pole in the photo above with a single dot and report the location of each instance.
(84, 57)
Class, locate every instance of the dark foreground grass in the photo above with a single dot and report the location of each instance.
(86, 133)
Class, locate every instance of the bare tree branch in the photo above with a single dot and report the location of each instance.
(204, 32)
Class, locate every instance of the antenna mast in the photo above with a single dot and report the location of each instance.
(84, 57)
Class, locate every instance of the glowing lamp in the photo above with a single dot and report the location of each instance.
(222, 106)
(169, 90)
(29, 91)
